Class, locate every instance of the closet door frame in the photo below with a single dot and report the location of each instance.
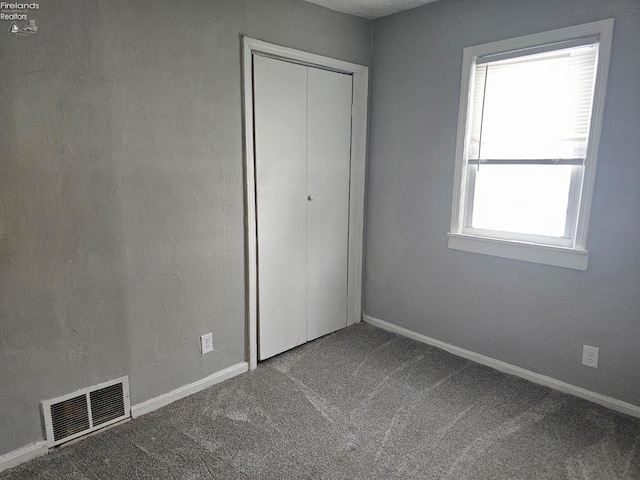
(360, 76)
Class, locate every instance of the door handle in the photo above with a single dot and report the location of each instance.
(310, 197)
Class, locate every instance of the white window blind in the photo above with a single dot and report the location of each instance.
(533, 107)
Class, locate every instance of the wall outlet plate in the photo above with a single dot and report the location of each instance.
(206, 343)
(590, 356)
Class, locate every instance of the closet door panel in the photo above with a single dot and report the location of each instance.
(280, 115)
(328, 167)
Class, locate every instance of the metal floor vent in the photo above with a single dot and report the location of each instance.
(86, 410)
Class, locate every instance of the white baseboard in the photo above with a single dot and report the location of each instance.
(170, 397)
(24, 454)
(609, 402)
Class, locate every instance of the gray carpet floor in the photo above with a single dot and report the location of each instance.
(360, 404)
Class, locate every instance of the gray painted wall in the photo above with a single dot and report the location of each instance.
(121, 198)
(530, 315)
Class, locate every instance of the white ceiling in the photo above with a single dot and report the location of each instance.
(370, 8)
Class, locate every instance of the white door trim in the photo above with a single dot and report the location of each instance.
(360, 75)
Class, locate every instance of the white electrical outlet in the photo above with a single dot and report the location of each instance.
(206, 343)
(590, 356)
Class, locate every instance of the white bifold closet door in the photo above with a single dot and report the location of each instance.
(302, 130)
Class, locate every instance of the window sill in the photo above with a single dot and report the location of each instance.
(527, 252)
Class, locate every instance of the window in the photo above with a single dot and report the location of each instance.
(530, 114)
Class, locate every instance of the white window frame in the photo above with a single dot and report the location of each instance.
(568, 252)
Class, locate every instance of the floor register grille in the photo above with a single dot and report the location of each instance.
(78, 413)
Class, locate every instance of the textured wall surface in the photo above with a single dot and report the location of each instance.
(121, 197)
(530, 315)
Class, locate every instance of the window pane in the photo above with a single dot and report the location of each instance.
(529, 199)
(534, 106)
